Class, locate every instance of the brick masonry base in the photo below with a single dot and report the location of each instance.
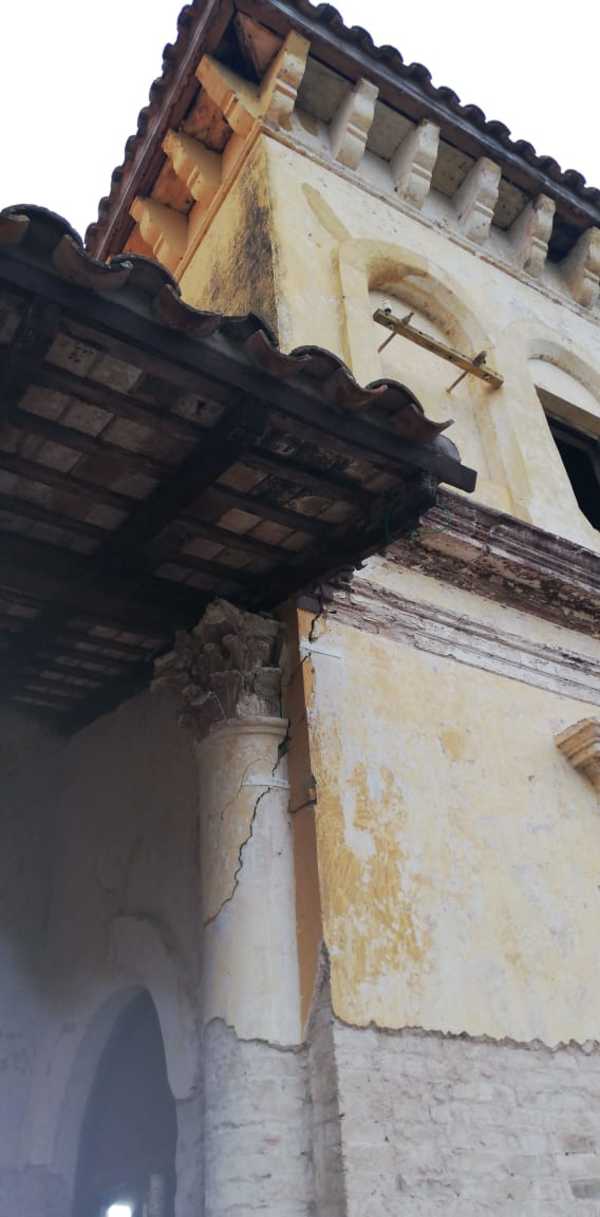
(431, 1125)
(368, 1123)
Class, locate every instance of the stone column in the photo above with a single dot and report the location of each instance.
(227, 676)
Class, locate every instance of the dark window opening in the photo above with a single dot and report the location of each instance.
(580, 455)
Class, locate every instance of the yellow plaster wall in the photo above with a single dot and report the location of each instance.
(334, 240)
(232, 269)
(459, 854)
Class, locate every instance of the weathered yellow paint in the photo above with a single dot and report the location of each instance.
(338, 248)
(456, 859)
(458, 853)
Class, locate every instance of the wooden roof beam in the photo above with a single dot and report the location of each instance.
(264, 510)
(65, 483)
(93, 393)
(125, 460)
(48, 574)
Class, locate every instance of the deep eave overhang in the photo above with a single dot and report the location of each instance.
(136, 431)
(353, 54)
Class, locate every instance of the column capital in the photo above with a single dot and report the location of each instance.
(226, 669)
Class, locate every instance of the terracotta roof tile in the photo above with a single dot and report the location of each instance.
(193, 27)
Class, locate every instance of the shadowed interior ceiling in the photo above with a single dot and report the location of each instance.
(153, 457)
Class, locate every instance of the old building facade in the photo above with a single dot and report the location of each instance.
(336, 874)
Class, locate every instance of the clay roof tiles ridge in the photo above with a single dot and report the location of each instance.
(196, 15)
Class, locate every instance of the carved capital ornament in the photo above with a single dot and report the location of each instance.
(225, 668)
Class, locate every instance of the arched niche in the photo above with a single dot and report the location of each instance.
(142, 960)
(377, 274)
(128, 1135)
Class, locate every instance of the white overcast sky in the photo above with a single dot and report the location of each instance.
(75, 75)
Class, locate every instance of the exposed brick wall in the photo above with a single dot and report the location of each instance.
(437, 1125)
(257, 1129)
(369, 1123)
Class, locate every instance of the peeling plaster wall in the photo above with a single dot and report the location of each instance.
(458, 853)
(335, 243)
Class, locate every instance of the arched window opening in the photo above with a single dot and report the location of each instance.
(424, 373)
(126, 1162)
(402, 358)
(573, 416)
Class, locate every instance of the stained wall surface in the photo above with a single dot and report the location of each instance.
(341, 251)
(457, 851)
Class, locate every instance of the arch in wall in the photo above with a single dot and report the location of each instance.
(375, 273)
(128, 1136)
(68, 1060)
(375, 266)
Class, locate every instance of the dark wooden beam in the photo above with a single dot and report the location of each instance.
(46, 574)
(103, 667)
(122, 551)
(328, 483)
(53, 675)
(125, 460)
(65, 483)
(224, 576)
(35, 334)
(265, 510)
(347, 552)
(93, 393)
(218, 450)
(128, 651)
(26, 510)
(243, 543)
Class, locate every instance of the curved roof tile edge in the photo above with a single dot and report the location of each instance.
(53, 242)
(329, 17)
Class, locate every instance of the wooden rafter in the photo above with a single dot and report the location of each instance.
(266, 445)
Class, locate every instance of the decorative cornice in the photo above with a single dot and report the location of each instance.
(406, 87)
(376, 609)
(226, 668)
(504, 559)
(580, 745)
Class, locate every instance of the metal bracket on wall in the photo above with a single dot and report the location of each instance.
(470, 367)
